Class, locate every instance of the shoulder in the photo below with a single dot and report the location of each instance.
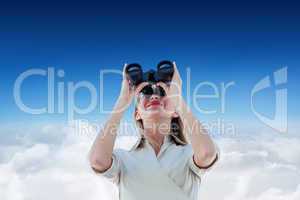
(120, 152)
(124, 154)
(180, 151)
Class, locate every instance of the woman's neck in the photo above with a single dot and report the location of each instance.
(155, 131)
(155, 141)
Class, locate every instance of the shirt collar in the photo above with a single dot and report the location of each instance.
(167, 142)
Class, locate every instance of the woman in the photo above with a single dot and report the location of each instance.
(163, 164)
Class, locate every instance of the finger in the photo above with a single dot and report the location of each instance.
(164, 86)
(124, 70)
(140, 87)
(174, 63)
(176, 72)
(125, 78)
(175, 67)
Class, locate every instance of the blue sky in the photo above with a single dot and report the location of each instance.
(224, 43)
(219, 42)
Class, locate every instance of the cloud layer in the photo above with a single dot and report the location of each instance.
(50, 162)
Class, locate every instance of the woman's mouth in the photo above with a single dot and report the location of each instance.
(153, 103)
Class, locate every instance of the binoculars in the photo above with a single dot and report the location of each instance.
(164, 73)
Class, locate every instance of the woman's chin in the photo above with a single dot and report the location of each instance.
(154, 108)
(157, 112)
(154, 111)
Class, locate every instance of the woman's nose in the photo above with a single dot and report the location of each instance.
(154, 97)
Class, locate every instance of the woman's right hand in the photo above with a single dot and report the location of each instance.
(127, 92)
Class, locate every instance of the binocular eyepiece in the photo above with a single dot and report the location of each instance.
(163, 73)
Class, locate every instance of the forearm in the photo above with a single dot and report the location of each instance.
(101, 151)
(202, 144)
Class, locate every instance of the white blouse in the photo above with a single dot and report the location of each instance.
(171, 175)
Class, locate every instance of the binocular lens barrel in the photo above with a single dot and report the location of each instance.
(164, 73)
(134, 73)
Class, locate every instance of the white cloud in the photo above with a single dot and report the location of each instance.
(255, 168)
(50, 162)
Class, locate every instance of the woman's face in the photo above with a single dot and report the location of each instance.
(152, 103)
